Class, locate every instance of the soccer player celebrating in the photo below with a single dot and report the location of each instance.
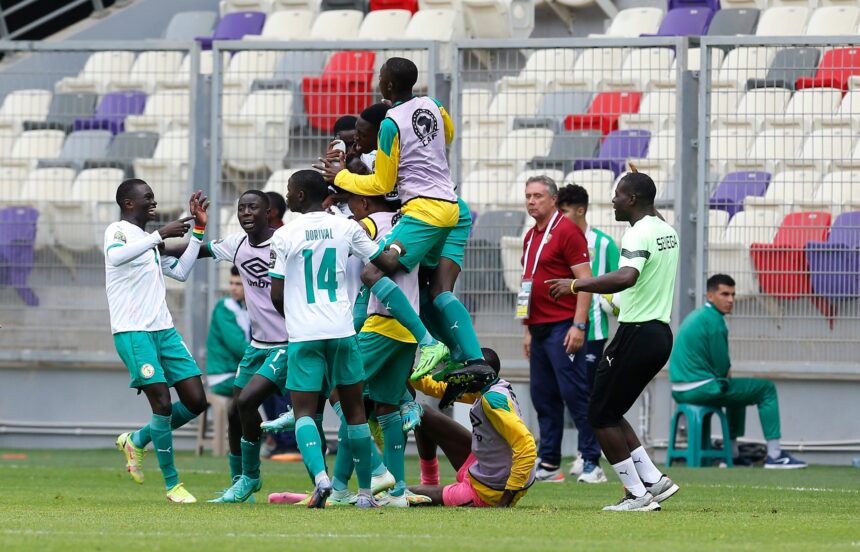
(643, 342)
(307, 268)
(143, 332)
(411, 156)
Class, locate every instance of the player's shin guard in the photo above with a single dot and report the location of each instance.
(343, 465)
(318, 420)
(396, 302)
(179, 416)
(162, 441)
(432, 318)
(359, 443)
(457, 318)
(395, 448)
(251, 458)
(308, 441)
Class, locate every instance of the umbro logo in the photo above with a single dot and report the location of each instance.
(256, 267)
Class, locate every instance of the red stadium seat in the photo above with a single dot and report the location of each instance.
(782, 266)
(604, 112)
(411, 5)
(834, 70)
(344, 88)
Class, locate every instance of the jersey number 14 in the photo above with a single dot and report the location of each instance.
(326, 279)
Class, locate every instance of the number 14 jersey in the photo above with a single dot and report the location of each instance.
(310, 255)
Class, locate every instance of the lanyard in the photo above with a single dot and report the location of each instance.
(540, 249)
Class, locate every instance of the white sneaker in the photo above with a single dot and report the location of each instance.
(576, 466)
(549, 476)
(592, 473)
(662, 489)
(630, 503)
(387, 500)
(382, 482)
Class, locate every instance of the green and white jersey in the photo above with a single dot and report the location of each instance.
(604, 258)
(651, 247)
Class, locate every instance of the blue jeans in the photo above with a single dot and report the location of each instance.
(559, 379)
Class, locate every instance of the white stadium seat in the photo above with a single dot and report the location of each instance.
(727, 147)
(661, 153)
(474, 103)
(259, 137)
(770, 149)
(782, 21)
(519, 147)
(847, 115)
(11, 180)
(168, 170)
(597, 182)
(147, 68)
(48, 184)
(633, 22)
(641, 66)
(838, 192)
(307, 5)
(337, 25)
(656, 112)
(592, 66)
(229, 6)
(164, 111)
(756, 106)
(717, 222)
(804, 105)
(823, 148)
(32, 145)
(542, 69)
(501, 112)
(88, 200)
(384, 25)
(278, 181)
(833, 21)
(787, 189)
(247, 66)
(442, 26)
(100, 69)
(286, 25)
(499, 18)
(487, 187)
(742, 64)
(23, 105)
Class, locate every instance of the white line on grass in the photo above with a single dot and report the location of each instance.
(768, 488)
(329, 535)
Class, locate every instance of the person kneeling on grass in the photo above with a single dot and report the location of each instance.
(497, 465)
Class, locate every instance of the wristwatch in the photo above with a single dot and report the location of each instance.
(580, 326)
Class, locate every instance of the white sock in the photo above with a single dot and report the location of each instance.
(320, 477)
(646, 469)
(736, 449)
(629, 477)
(773, 448)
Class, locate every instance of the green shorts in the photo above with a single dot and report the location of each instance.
(155, 357)
(223, 388)
(318, 366)
(455, 244)
(423, 242)
(270, 363)
(387, 364)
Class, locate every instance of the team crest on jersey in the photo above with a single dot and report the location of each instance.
(425, 125)
(147, 371)
(272, 258)
(119, 236)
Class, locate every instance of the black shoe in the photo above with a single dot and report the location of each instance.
(742, 462)
(477, 372)
(452, 393)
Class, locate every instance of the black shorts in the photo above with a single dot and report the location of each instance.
(634, 356)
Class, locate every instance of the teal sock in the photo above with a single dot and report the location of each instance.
(359, 443)
(395, 448)
(162, 440)
(439, 328)
(458, 319)
(359, 310)
(318, 420)
(377, 466)
(343, 465)
(396, 302)
(235, 461)
(179, 416)
(251, 458)
(308, 441)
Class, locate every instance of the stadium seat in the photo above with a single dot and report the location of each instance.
(734, 22)
(592, 66)
(835, 70)
(259, 137)
(112, 110)
(851, 163)
(694, 60)
(604, 111)
(286, 25)
(278, 181)
(502, 111)
(124, 148)
(442, 26)
(499, 18)
(384, 25)
(337, 25)
(165, 110)
(756, 106)
(483, 188)
(603, 217)
(567, 147)
(823, 148)
(474, 103)
(307, 5)
(660, 155)
(789, 64)
(21, 105)
(731, 4)
(32, 145)
(10, 184)
(641, 66)
(717, 222)
(837, 193)
(167, 169)
(742, 64)
(735, 187)
(727, 146)
(87, 200)
(291, 69)
(99, 70)
(770, 149)
(345, 87)
(47, 185)
(632, 22)
(616, 149)
(821, 102)
(656, 112)
(847, 115)
(483, 267)
(834, 264)
(786, 190)
(145, 71)
(409, 5)
(783, 21)
(685, 22)
(597, 182)
(234, 26)
(231, 6)
(246, 67)
(185, 26)
(78, 147)
(18, 236)
(334, 5)
(520, 147)
(782, 267)
(542, 69)
(553, 107)
(833, 21)
(182, 77)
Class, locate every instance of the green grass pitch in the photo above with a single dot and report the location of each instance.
(84, 500)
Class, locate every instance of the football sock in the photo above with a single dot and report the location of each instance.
(646, 469)
(458, 319)
(626, 471)
(434, 322)
(359, 310)
(773, 448)
(429, 471)
(179, 416)
(396, 302)
(308, 441)
(251, 458)
(318, 420)
(376, 433)
(395, 445)
(359, 443)
(162, 441)
(343, 460)
(736, 449)
(235, 461)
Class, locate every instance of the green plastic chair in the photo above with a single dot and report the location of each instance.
(699, 447)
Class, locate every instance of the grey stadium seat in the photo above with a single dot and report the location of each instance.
(189, 25)
(360, 5)
(483, 260)
(126, 147)
(566, 148)
(292, 67)
(554, 107)
(78, 147)
(788, 65)
(65, 108)
(734, 21)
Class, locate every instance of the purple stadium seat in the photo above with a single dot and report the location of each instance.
(835, 264)
(735, 187)
(112, 111)
(713, 5)
(17, 239)
(616, 149)
(233, 26)
(686, 22)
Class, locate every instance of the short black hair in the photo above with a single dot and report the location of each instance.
(492, 359)
(347, 122)
(262, 195)
(375, 114)
(404, 73)
(234, 271)
(312, 183)
(717, 280)
(641, 186)
(278, 203)
(573, 194)
(123, 192)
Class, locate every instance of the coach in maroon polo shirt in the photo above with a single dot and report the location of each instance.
(556, 331)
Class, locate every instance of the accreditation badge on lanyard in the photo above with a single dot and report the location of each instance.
(524, 297)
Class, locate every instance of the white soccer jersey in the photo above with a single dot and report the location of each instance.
(310, 254)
